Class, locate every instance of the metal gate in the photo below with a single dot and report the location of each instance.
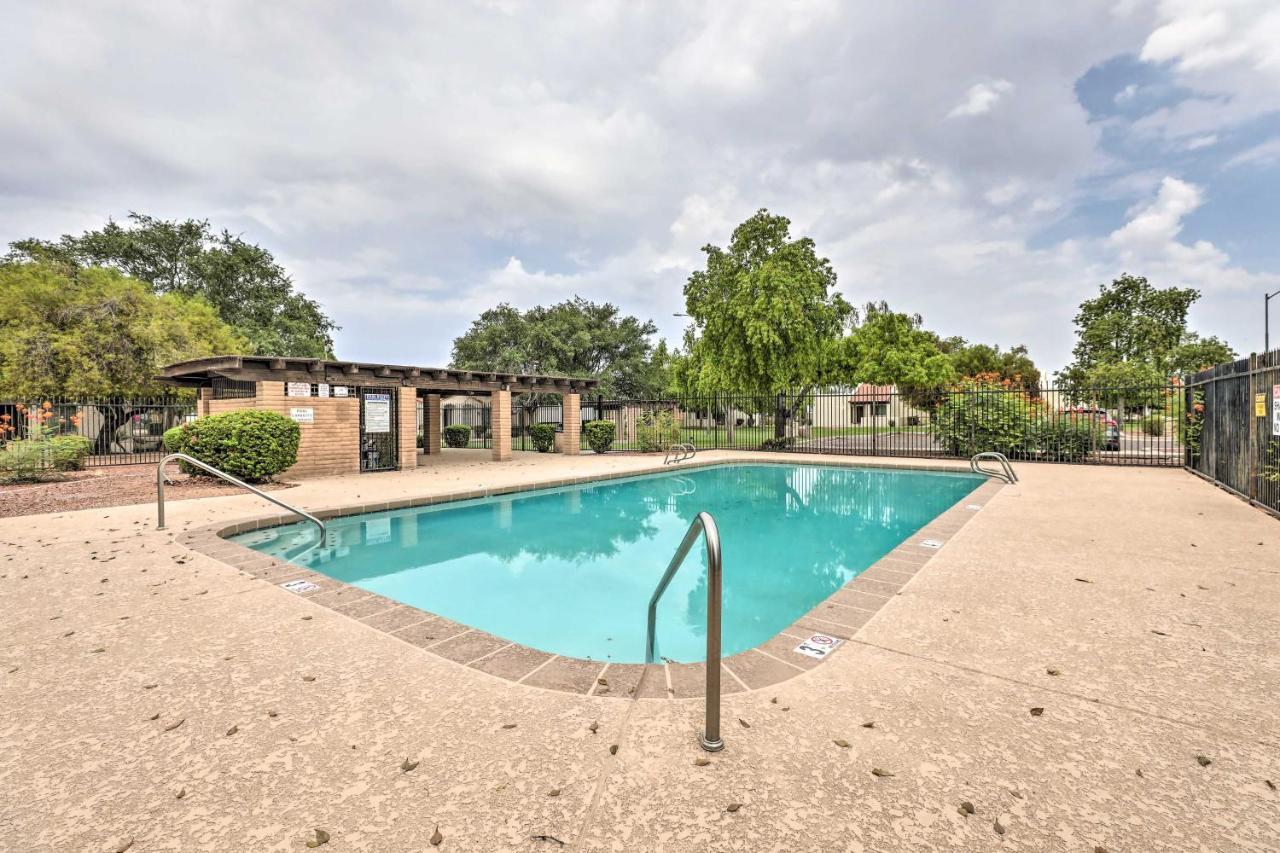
(379, 419)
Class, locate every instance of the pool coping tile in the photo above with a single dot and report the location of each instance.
(840, 616)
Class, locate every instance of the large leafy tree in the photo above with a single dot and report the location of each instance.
(243, 282)
(572, 338)
(1132, 321)
(888, 347)
(85, 332)
(1196, 353)
(766, 315)
(1013, 366)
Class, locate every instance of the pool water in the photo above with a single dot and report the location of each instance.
(570, 570)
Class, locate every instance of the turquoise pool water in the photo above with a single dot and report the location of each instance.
(570, 570)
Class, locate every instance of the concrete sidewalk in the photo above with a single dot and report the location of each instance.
(1138, 608)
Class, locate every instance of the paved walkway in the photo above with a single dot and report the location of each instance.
(154, 696)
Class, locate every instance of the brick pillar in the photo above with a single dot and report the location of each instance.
(572, 424)
(202, 404)
(407, 427)
(431, 424)
(500, 420)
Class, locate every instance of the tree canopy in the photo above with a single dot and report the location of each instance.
(243, 282)
(765, 312)
(1132, 321)
(888, 347)
(1013, 366)
(91, 331)
(572, 338)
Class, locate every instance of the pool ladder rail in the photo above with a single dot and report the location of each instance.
(681, 451)
(703, 526)
(161, 480)
(1006, 473)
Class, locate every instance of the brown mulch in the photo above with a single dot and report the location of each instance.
(115, 485)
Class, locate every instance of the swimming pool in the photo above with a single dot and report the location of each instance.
(570, 570)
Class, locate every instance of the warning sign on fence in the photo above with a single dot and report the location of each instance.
(1259, 405)
(1275, 409)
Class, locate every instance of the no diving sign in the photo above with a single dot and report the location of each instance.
(818, 646)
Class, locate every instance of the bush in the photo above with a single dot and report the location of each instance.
(27, 461)
(250, 444)
(985, 420)
(68, 452)
(544, 437)
(787, 442)
(1068, 439)
(1153, 425)
(457, 435)
(656, 431)
(600, 435)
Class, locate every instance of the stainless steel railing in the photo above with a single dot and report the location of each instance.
(1005, 474)
(160, 484)
(682, 452)
(704, 525)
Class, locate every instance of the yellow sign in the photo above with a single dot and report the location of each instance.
(1259, 405)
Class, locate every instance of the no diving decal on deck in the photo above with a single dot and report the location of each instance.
(818, 646)
(299, 586)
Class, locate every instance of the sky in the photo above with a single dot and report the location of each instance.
(986, 164)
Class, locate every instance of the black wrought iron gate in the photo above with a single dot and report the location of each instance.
(379, 420)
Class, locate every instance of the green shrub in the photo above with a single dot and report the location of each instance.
(600, 435)
(457, 435)
(656, 431)
(250, 444)
(979, 420)
(1153, 425)
(787, 442)
(69, 452)
(175, 440)
(27, 461)
(544, 437)
(1068, 439)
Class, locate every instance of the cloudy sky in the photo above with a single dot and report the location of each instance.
(987, 164)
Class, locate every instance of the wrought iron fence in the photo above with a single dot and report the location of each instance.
(1233, 427)
(1116, 426)
(120, 430)
(473, 413)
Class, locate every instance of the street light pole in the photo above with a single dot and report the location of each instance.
(1266, 320)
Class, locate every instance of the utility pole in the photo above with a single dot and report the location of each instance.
(1266, 320)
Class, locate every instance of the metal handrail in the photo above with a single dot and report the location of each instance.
(1007, 475)
(160, 483)
(682, 450)
(705, 526)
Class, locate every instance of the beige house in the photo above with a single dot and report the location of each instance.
(865, 406)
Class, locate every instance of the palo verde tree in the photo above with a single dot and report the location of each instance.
(246, 287)
(765, 314)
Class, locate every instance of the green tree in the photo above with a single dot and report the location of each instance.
(888, 347)
(766, 315)
(572, 338)
(243, 282)
(1196, 353)
(1013, 366)
(84, 332)
(1130, 321)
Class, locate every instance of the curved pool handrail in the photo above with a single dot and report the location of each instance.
(681, 450)
(160, 483)
(1006, 474)
(705, 526)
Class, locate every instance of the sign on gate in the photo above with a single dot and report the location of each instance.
(377, 412)
(1275, 409)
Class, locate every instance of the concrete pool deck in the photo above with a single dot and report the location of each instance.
(1139, 608)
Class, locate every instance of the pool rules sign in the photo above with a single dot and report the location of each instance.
(377, 412)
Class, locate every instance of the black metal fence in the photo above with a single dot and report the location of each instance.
(1233, 427)
(1116, 426)
(120, 430)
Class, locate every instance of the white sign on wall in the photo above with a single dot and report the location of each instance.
(297, 389)
(303, 415)
(377, 412)
(322, 389)
(341, 391)
(1275, 409)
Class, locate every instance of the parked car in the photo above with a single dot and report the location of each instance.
(1111, 429)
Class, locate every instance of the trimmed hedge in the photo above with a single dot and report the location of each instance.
(457, 435)
(544, 437)
(251, 444)
(600, 435)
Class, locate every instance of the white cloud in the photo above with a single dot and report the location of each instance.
(982, 98)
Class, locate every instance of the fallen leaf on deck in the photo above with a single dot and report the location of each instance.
(876, 771)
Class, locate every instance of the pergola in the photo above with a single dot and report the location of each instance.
(428, 383)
